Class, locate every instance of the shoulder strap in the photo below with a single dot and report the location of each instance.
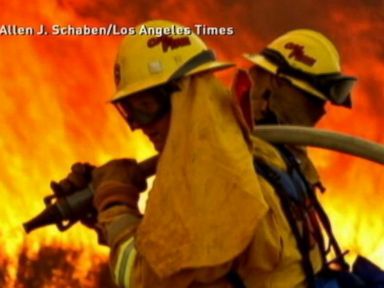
(280, 181)
(292, 188)
(320, 213)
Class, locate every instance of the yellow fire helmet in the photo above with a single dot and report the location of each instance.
(160, 51)
(310, 62)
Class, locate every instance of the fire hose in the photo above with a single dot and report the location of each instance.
(65, 211)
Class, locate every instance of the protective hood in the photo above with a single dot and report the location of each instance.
(206, 200)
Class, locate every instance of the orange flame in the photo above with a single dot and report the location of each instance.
(53, 112)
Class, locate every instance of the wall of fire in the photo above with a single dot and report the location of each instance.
(53, 112)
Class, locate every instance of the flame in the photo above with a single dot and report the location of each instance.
(51, 88)
(54, 113)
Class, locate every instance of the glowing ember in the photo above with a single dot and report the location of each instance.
(53, 112)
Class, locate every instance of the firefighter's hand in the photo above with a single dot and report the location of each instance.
(79, 178)
(118, 182)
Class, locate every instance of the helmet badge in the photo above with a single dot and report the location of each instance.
(297, 52)
(168, 42)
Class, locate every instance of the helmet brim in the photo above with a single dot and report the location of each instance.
(264, 63)
(160, 79)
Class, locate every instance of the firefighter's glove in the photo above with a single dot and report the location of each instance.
(118, 182)
(79, 178)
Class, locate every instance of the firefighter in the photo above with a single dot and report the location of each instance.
(210, 220)
(291, 81)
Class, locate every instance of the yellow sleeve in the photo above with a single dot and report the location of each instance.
(144, 277)
(118, 224)
(122, 260)
(130, 269)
